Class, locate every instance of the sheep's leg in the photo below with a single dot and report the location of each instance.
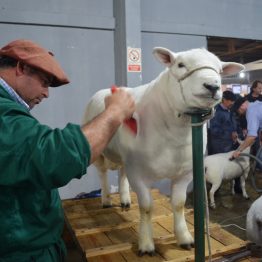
(145, 243)
(105, 191)
(212, 192)
(102, 172)
(124, 189)
(178, 199)
(233, 187)
(243, 187)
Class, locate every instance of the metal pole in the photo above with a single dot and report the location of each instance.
(198, 182)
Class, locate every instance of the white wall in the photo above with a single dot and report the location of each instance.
(80, 34)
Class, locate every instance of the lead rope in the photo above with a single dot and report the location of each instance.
(207, 225)
(206, 118)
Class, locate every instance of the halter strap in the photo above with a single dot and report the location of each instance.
(194, 70)
(187, 74)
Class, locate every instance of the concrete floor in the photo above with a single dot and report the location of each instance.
(230, 211)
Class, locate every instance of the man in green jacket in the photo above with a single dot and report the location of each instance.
(35, 160)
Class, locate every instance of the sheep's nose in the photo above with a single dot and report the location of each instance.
(211, 88)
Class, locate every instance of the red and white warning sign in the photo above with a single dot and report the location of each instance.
(133, 59)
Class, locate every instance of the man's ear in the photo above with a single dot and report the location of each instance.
(20, 68)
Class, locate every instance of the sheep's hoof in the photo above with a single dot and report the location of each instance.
(125, 206)
(213, 206)
(150, 253)
(107, 206)
(187, 246)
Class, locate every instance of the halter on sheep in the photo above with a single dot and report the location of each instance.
(162, 147)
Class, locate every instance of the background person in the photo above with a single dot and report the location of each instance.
(35, 160)
(222, 129)
(253, 113)
(254, 95)
(255, 91)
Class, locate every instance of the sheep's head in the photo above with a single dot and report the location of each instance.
(197, 73)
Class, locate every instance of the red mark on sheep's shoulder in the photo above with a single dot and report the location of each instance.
(131, 122)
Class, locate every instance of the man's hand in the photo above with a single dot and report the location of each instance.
(121, 104)
(247, 142)
(98, 132)
(235, 154)
(244, 131)
(234, 136)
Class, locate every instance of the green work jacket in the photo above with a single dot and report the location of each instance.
(34, 161)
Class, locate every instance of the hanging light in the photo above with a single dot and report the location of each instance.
(241, 74)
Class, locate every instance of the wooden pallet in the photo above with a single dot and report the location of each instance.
(111, 234)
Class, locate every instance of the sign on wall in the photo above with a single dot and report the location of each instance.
(133, 59)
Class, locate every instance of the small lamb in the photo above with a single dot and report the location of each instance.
(218, 167)
(254, 222)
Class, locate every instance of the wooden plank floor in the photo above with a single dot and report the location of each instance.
(111, 234)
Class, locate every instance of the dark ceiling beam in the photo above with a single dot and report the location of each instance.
(231, 46)
(243, 50)
(234, 49)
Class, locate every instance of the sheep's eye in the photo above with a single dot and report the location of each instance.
(181, 65)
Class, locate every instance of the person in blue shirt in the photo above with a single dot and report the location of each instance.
(222, 130)
(253, 96)
(253, 112)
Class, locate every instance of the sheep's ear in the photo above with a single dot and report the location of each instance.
(164, 55)
(231, 68)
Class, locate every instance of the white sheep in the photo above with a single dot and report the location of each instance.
(162, 147)
(218, 167)
(254, 222)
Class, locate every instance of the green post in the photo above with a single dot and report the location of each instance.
(198, 182)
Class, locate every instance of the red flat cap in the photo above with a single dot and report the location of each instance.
(36, 56)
